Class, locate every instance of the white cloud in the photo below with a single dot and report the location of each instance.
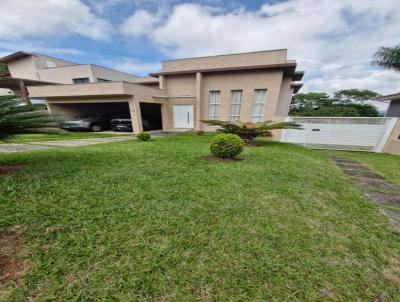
(139, 24)
(383, 81)
(133, 66)
(45, 18)
(332, 40)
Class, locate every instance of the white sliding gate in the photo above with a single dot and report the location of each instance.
(341, 133)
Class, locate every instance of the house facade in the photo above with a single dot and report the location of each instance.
(254, 86)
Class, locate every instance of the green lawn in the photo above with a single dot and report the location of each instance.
(27, 138)
(154, 221)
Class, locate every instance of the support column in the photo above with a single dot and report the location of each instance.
(136, 117)
(24, 92)
(198, 110)
(48, 106)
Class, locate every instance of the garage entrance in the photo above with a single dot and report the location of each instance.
(151, 116)
(91, 111)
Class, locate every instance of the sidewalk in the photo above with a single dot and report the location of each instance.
(33, 146)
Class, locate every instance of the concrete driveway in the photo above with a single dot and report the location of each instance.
(33, 146)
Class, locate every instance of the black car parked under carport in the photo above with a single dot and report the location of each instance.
(122, 122)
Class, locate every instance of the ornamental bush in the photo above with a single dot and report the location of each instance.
(226, 145)
(19, 118)
(249, 131)
(200, 132)
(143, 136)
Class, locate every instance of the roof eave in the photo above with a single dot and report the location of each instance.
(296, 87)
(298, 75)
(14, 56)
(288, 67)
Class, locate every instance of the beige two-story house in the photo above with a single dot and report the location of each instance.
(254, 86)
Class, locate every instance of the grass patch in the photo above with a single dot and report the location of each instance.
(28, 138)
(155, 222)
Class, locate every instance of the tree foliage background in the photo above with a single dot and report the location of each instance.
(348, 102)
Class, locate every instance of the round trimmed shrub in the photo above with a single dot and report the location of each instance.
(226, 145)
(143, 136)
(200, 132)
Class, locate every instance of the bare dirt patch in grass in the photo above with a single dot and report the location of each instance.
(4, 169)
(393, 272)
(11, 267)
(222, 160)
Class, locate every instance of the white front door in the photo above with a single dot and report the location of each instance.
(183, 116)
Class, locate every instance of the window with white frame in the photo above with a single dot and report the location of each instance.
(259, 98)
(213, 108)
(235, 104)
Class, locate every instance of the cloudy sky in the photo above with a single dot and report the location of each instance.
(333, 40)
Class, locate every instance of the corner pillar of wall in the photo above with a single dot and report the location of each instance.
(161, 82)
(136, 117)
(198, 125)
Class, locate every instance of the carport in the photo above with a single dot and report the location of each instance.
(76, 108)
(111, 98)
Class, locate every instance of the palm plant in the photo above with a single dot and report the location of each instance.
(388, 57)
(18, 118)
(249, 131)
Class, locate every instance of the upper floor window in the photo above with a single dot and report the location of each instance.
(257, 113)
(235, 104)
(102, 80)
(213, 109)
(51, 64)
(80, 80)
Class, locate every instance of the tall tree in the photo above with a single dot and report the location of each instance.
(349, 102)
(388, 58)
(354, 96)
(309, 101)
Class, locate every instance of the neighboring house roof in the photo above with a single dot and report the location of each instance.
(22, 54)
(146, 80)
(14, 56)
(389, 97)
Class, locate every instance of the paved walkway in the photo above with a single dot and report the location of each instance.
(61, 143)
(375, 188)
